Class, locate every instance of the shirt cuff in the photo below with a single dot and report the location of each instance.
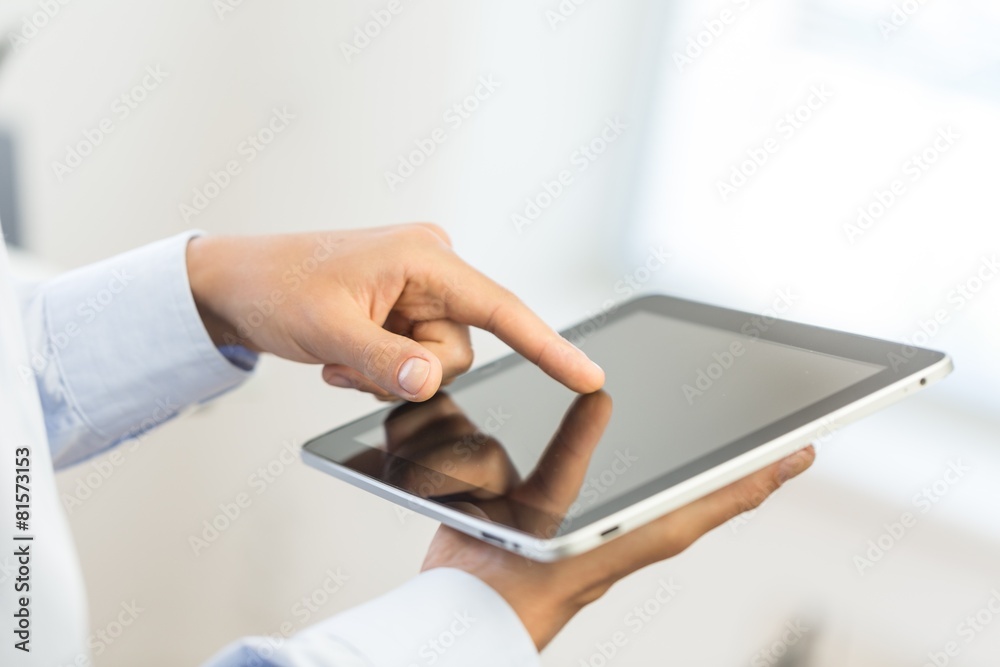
(130, 348)
(444, 617)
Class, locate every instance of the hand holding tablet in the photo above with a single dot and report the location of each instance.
(546, 596)
(703, 414)
(434, 451)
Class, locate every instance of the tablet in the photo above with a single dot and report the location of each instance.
(696, 397)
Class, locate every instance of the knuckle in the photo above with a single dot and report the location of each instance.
(507, 297)
(377, 357)
(427, 232)
(744, 502)
(676, 539)
(438, 231)
(504, 306)
(445, 290)
(679, 542)
(461, 358)
(750, 496)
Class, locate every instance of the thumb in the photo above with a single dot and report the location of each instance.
(397, 364)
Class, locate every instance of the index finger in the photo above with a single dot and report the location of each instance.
(472, 298)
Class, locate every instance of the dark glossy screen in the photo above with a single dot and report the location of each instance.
(522, 450)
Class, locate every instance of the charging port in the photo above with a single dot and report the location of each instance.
(494, 539)
(610, 531)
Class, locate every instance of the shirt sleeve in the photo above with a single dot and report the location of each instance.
(444, 617)
(118, 348)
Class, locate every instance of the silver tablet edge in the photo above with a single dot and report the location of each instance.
(655, 506)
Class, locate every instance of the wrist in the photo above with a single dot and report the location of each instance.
(207, 288)
(543, 611)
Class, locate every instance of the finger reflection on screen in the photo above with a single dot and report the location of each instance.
(433, 450)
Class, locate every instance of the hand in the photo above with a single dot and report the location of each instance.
(384, 310)
(546, 596)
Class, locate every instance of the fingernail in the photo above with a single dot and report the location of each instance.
(583, 354)
(795, 465)
(413, 374)
(337, 380)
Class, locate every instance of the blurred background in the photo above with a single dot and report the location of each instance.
(834, 159)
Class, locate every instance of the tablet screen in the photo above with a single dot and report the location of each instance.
(676, 392)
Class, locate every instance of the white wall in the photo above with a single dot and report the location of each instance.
(352, 122)
(784, 230)
(788, 226)
(224, 76)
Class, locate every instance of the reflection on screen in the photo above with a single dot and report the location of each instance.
(679, 391)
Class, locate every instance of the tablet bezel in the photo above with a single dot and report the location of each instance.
(900, 362)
